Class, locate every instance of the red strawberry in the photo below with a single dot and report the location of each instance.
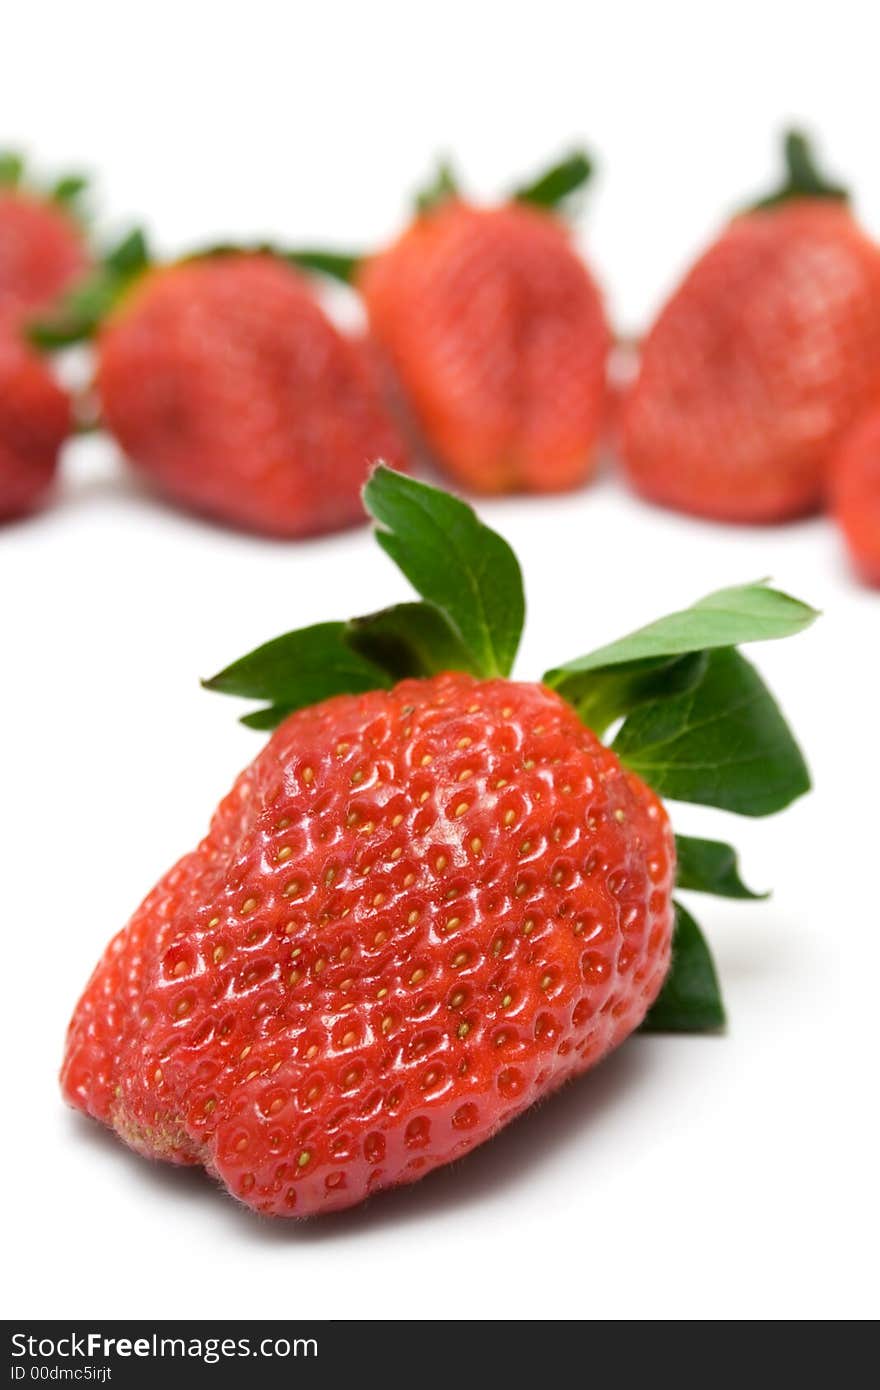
(43, 250)
(35, 420)
(412, 915)
(855, 494)
(760, 361)
(497, 334)
(422, 907)
(227, 385)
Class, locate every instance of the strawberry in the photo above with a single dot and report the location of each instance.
(435, 894)
(43, 250)
(761, 360)
(35, 420)
(855, 493)
(229, 388)
(496, 333)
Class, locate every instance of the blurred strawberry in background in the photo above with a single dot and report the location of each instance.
(229, 389)
(762, 359)
(855, 493)
(496, 333)
(43, 246)
(35, 420)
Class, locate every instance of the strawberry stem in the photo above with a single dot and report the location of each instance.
(557, 184)
(803, 178)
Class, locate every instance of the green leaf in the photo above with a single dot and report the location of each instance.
(11, 168)
(83, 309)
(129, 256)
(690, 1000)
(338, 265)
(803, 178)
(298, 669)
(453, 561)
(726, 618)
(558, 183)
(69, 189)
(709, 866)
(441, 189)
(268, 718)
(723, 743)
(410, 639)
(603, 696)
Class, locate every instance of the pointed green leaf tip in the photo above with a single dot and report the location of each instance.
(690, 1000)
(82, 311)
(803, 178)
(301, 668)
(455, 562)
(470, 618)
(442, 188)
(699, 723)
(709, 866)
(552, 188)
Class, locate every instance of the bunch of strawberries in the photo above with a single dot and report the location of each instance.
(756, 398)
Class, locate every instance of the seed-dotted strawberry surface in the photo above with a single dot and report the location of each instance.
(414, 913)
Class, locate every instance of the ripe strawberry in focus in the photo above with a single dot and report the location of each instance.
(497, 334)
(35, 420)
(434, 896)
(229, 388)
(43, 250)
(412, 916)
(761, 360)
(855, 495)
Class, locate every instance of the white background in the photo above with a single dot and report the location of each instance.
(688, 1178)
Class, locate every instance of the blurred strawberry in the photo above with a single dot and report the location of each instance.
(855, 493)
(43, 249)
(761, 360)
(35, 419)
(227, 385)
(497, 334)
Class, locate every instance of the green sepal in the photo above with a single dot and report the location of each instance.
(724, 618)
(11, 168)
(710, 866)
(723, 743)
(603, 696)
(442, 188)
(409, 639)
(454, 562)
(336, 265)
(69, 190)
(557, 184)
(803, 178)
(690, 1000)
(83, 309)
(298, 669)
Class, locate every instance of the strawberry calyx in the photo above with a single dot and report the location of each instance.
(676, 700)
(443, 187)
(552, 190)
(67, 190)
(803, 177)
(82, 311)
(556, 185)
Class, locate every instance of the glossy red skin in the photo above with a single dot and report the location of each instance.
(475, 907)
(757, 366)
(498, 336)
(35, 420)
(42, 254)
(855, 495)
(230, 389)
